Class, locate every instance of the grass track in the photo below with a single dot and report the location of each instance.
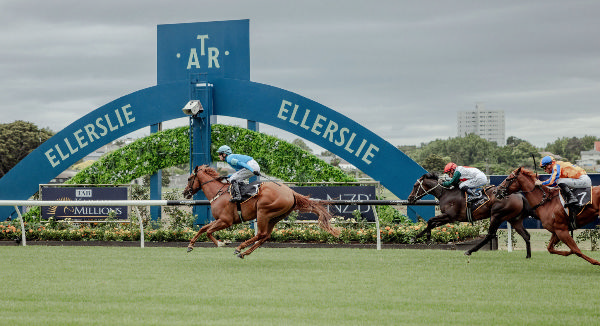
(166, 286)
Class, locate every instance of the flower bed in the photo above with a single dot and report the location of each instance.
(287, 232)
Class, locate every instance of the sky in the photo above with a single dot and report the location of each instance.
(402, 69)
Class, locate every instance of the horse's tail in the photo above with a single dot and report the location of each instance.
(305, 205)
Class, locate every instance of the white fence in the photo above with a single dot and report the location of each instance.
(17, 203)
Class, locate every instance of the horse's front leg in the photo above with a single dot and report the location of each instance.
(565, 237)
(432, 224)
(203, 229)
(494, 225)
(553, 241)
(217, 226)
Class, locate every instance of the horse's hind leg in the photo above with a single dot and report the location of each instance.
(263, 234)
(245, 244)
(518, 226)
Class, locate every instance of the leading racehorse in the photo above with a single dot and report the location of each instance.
(552, 214)
(273, 203)
(513, 209)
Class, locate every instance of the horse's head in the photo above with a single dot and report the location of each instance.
(422, 187)
(202, 175)
(193, 184)
(514, 182)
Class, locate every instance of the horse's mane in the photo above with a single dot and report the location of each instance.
(430, 175)
(529, 173)
(211, 172)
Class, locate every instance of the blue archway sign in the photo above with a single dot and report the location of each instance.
(210, 62)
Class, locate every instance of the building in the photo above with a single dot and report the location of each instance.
(590, 160)
(486, 124)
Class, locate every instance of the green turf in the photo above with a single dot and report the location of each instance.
(210, 286)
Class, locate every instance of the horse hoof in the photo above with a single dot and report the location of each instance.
(190, 249)
(221, 244)
(467, 253)
(241, 256)
(235, 252)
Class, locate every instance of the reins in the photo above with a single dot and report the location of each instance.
(545, 197)
(219, 192)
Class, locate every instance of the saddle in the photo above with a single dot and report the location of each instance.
(248, 190)
(480, 197)
(473, 203)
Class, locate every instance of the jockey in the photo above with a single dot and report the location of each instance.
(244, 165)
(466, 177)
(566, 176)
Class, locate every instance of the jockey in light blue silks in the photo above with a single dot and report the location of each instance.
(244, 165)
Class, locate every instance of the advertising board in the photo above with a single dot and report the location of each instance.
(92, 213)
(341, 193)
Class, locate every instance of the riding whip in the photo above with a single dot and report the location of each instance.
(264, 176)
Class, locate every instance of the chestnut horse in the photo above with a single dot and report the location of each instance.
(452, 201)
(546, 202)
(273, 203)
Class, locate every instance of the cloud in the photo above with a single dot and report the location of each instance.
(403, 69)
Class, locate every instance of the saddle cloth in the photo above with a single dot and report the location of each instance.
(583, 195)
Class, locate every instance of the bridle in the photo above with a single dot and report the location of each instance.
(193, 190)
(502, 189)
(425, 191)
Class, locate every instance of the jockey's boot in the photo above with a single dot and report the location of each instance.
(469, 195)
(568, 195)
(236, 195)
(571, 203)
(469, 192)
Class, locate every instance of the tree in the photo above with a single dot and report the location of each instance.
(434, 163)
(570, 148)
(17, 140)
(300, 143)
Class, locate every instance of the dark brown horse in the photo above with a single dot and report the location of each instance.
(547, 204)
(273, 203)
(453, 206)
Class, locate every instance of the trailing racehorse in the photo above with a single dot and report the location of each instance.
(452, 202)
(271, 204)
(549, 209)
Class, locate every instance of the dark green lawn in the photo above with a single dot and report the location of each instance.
(210, 286)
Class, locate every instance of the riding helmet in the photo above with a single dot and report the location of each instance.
(450, 167)
(224, 149)
(546, 160)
